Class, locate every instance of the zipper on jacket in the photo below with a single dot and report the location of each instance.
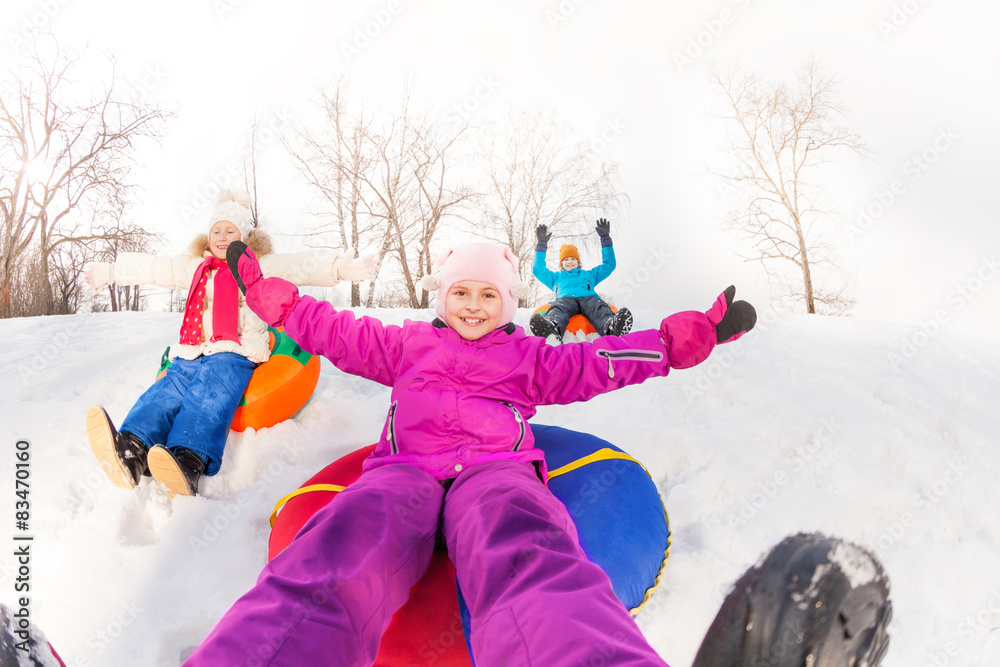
(629, 355)
(391, 431)
(520, 424)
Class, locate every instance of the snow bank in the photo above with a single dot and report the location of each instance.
(870, 431)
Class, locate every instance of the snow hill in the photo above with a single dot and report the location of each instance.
(880, 433)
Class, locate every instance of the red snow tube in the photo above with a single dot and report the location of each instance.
(615, 504)
(578, 323)
(435, 637)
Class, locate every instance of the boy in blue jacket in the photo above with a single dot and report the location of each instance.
(574, 288)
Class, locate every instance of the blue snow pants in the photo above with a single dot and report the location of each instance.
(192, 405)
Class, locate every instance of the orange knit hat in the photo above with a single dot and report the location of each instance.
(568, 251)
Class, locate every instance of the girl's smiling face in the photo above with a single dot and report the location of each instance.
(473, 308)
(570, 263)
(220, 236)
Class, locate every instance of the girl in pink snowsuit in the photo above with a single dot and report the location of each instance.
(457, 456)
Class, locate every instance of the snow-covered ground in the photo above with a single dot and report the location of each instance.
(880, 433)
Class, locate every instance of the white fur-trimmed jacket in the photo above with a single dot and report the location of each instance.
(316, 267)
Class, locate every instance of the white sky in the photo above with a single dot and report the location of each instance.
(913, 73)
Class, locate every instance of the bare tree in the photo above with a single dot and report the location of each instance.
(24, 289)
(438, 195)
(125, 237)
(332, 156)
(390, 193)
(67, 151)
(385, 180)
(395, 181)
(66, 278)
(539, 173)
(414, 189)
(783, 135)
(63, 272)
(250, 173)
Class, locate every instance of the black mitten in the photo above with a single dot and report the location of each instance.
(731, 319)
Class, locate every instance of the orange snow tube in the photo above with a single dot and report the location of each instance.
(578, 324)
(279, 387)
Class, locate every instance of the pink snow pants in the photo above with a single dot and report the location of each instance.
(534, 598)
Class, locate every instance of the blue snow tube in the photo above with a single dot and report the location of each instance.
(619, 515)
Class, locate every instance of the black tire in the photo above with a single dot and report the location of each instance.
(814, 601)
(22, 644)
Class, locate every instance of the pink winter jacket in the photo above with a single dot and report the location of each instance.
(456, 402)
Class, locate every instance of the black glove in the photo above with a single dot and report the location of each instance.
(604, 231)
(543, 234)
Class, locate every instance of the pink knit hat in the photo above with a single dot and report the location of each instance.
(484, 262)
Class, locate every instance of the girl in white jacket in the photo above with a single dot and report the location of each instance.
(177, 430)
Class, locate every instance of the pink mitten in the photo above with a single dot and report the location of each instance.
(690, 336)
(272, 299)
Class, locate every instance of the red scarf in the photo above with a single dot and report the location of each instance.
(225, 306)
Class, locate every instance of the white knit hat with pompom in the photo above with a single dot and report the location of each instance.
(233, 206)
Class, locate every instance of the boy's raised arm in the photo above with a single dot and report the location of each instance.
(538, 268)
(608, 261)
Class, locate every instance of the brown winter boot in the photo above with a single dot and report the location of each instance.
(122, 455)
(179, 469)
